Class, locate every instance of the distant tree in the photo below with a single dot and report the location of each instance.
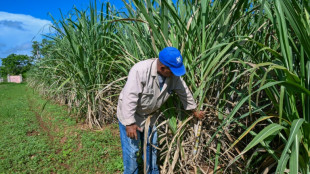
(40, 50)
(46, 46)
(36, 50)
(2, 71)
(15, 64)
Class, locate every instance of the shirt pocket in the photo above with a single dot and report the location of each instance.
(147, 98)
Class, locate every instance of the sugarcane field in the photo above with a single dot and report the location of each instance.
(160, 86)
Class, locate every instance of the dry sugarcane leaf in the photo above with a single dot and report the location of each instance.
(174, 161)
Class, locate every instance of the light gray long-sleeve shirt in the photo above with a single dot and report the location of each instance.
(142, 96)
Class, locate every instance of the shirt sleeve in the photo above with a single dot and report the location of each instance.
(131, 92)
(185, 95)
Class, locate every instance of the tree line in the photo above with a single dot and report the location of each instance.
(15, 64)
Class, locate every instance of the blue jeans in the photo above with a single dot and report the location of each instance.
(130, 148)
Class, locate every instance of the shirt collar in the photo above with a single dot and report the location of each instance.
(154, 68)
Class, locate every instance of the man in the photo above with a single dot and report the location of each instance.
(149, 84)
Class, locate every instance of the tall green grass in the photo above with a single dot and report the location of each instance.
(285, 80)
(247, 65)
(82, 62)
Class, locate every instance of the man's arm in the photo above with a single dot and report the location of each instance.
(130, 99)
(185, 95)
(187, 99)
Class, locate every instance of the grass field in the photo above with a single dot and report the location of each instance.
(38, 137)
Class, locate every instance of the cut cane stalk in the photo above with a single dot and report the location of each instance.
(146, 131)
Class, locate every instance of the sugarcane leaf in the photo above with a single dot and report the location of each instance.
(260, 137)
(63, 83)
(267, 131)
(281, 103)
(294, 157)
(297, 123)
(249, 129)
(295, 87)
(290, 76)
(306, 138)
(282, 164)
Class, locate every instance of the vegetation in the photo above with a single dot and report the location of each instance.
(15, 65)
(40, 137)
(248, 67)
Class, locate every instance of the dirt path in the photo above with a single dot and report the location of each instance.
(42, 124)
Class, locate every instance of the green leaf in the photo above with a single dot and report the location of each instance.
(281, 103)
(294, 157)
(260, 137)
(249, 129)
(282, 164)
(267, 131)
(293, 132)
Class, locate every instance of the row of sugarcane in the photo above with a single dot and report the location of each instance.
(247, 65)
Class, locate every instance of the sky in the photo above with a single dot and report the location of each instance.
(25, 21)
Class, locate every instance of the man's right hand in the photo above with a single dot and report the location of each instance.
(131, 131)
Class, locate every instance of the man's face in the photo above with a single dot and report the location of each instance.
(165, 71)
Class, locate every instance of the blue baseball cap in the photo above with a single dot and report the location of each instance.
(171, 57)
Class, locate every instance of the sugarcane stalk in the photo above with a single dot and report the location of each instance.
(146, 132)
(197, 128)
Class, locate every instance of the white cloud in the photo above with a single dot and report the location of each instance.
(17, 31)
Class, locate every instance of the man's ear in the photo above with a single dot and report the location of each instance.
(162, 68)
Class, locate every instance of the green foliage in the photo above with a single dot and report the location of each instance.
(41, 49)
(264, 41)
(80, 61)
(49, 140)
(247, 61)
(15, 64)
(23, 147)
(285, 82)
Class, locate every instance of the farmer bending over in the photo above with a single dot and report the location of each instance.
(149, 85)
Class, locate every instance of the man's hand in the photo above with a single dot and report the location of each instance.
(131, 131)
(199, 114)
